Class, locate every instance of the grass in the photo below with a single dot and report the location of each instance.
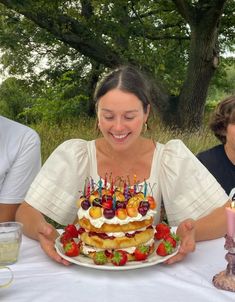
(84, 128)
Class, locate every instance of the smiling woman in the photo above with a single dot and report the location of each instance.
(192, 198)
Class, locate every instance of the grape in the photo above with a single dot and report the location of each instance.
(144, 203)
(109, 213)
(142, 210)
(85, 204)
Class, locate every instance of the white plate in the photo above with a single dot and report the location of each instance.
(88, 262)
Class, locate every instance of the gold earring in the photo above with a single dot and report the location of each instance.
(145, 127)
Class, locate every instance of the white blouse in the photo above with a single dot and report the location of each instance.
(177, 178)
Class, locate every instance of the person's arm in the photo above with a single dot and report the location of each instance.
(19, 177)
(209, 227)
(36, 227)
(7, 212)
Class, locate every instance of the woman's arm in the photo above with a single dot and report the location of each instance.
(213, 225)
(209, 227)
(36, 227)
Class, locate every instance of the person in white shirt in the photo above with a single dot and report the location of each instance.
(20, 161)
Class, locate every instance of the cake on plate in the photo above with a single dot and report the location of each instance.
(115, 218)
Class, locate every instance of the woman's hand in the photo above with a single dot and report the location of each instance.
(46, 236)
(186, 232)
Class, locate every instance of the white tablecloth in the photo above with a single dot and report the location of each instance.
(38, 278)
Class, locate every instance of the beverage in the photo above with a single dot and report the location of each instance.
(10, 240)
(9, 251)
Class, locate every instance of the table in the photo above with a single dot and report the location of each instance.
(38, 278)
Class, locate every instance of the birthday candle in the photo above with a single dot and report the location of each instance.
(145, 189)
(105, 181)
(230, 213)
(100, 188)
(114, 201)
(134, 184)
(111, 188)
(88, 190)
(92, 184)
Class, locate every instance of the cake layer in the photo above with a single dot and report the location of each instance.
(138, 238)
(107, 228)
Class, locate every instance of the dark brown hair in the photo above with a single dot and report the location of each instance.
(128, 79)
(224, 114)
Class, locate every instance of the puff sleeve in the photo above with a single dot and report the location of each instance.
(188, 189)
(58, 185)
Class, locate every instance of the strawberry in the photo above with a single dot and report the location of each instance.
(66, 237)
(162, 230)
(100, 258)
(172, 238)
(141, 252)
(164, 248)
(119, 258)
(71, 249)
(71, 229)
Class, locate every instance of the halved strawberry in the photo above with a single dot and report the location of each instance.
(119, 258)
(141, 252)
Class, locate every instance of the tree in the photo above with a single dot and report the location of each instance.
(176, 41)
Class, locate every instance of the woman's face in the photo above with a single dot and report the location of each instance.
(121, 118)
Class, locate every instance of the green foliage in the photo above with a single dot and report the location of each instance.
(14, 97)
(57, 103)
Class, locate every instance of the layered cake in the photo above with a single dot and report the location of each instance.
(114, 218)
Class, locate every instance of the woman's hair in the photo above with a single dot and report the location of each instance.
(223, 115)
(128, 79)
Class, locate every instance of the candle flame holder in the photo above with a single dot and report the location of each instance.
(226, 279)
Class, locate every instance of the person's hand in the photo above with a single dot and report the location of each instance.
(186, 232)
(46, 236)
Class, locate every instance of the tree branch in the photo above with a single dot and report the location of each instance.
(68, 30)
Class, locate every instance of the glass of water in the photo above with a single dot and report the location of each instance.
(10, 241)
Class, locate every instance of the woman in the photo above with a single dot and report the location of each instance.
(176, 176)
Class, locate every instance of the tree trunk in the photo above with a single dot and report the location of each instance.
(187, 109)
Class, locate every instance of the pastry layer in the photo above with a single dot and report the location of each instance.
(138, 238)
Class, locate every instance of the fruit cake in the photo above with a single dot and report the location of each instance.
(114, 218)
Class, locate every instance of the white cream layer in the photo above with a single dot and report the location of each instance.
(115, 220)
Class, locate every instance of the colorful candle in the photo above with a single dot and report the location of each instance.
(92, 184)
(105, 181)
(100, 188)
(134, 184)
(145, 189)
(111, 188)
(126, 192)
(114, 201)
(230, 213)
(88, 190)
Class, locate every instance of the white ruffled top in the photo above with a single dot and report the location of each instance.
(177, 178)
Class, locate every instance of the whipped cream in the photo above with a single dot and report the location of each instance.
(115, 220)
